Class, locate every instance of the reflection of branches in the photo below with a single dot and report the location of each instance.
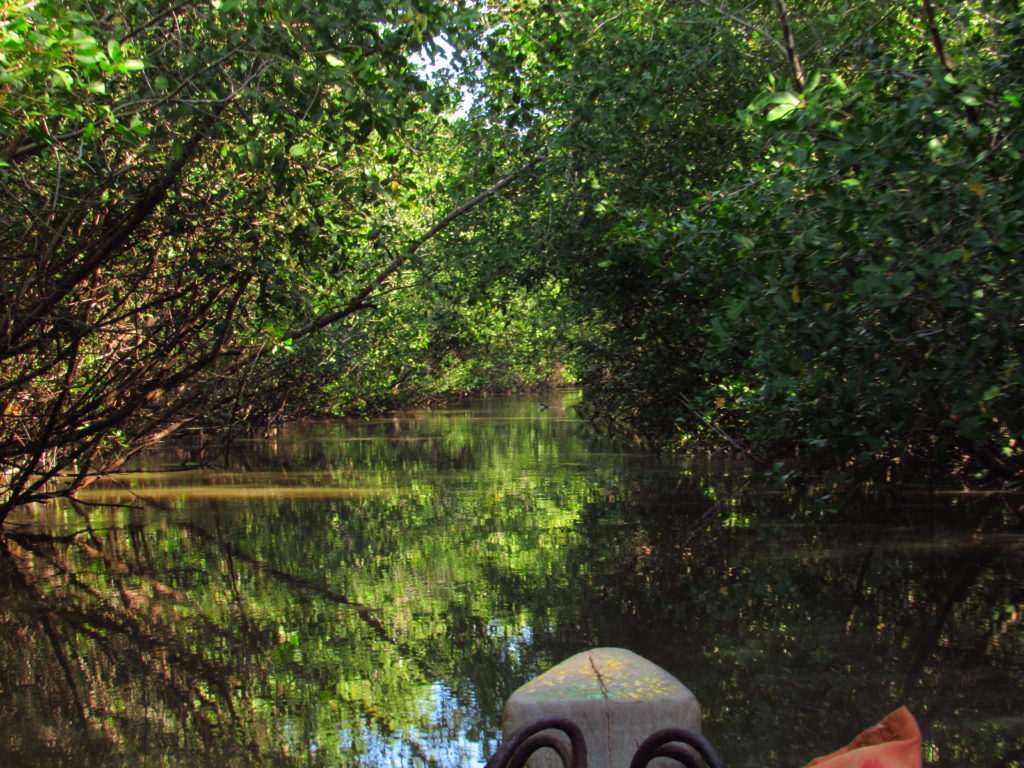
(699, 525)
(365, 612)
(942, 602)
(1003, 629)
(859, 593)
(292, 580)
(119, 647)
(122, 629)
(43, 619)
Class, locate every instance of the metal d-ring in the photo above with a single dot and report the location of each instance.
(548, 732)
(687, 747)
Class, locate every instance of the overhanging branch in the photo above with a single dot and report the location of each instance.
(358, 301)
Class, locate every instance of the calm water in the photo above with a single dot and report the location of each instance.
(369, 594)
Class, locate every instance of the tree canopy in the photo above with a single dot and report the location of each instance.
(793, 230)
(781, 229)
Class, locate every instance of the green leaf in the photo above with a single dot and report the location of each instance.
(745, 242)
(60, 77)
(138, 126)
(718, 329)
(992, 393)
(779, 112)
(972, 428)
(86, 44)
(736, 309)
(784, 97)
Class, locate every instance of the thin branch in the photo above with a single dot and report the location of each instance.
(116, 236)
(940, 51)
(791, 54)
(168, 11)
(759, 460)
(746, 25)
(933, 30)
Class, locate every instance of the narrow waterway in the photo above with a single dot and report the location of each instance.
(369, 594)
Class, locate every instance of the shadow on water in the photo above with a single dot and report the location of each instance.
(369, 594)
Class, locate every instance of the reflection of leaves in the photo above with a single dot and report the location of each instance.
(393, 625)
(753, 611)
(150, 649)
(93, 616)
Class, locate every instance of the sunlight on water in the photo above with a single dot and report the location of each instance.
(144, 493)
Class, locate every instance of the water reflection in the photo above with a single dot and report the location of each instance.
(368, 595)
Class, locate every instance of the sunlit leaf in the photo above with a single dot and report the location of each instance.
(780, 111)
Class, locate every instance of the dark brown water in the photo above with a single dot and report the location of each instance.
(369, 595)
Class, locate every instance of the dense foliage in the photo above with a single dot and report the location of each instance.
(780, 229)
(792, 230)
(199, 198)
